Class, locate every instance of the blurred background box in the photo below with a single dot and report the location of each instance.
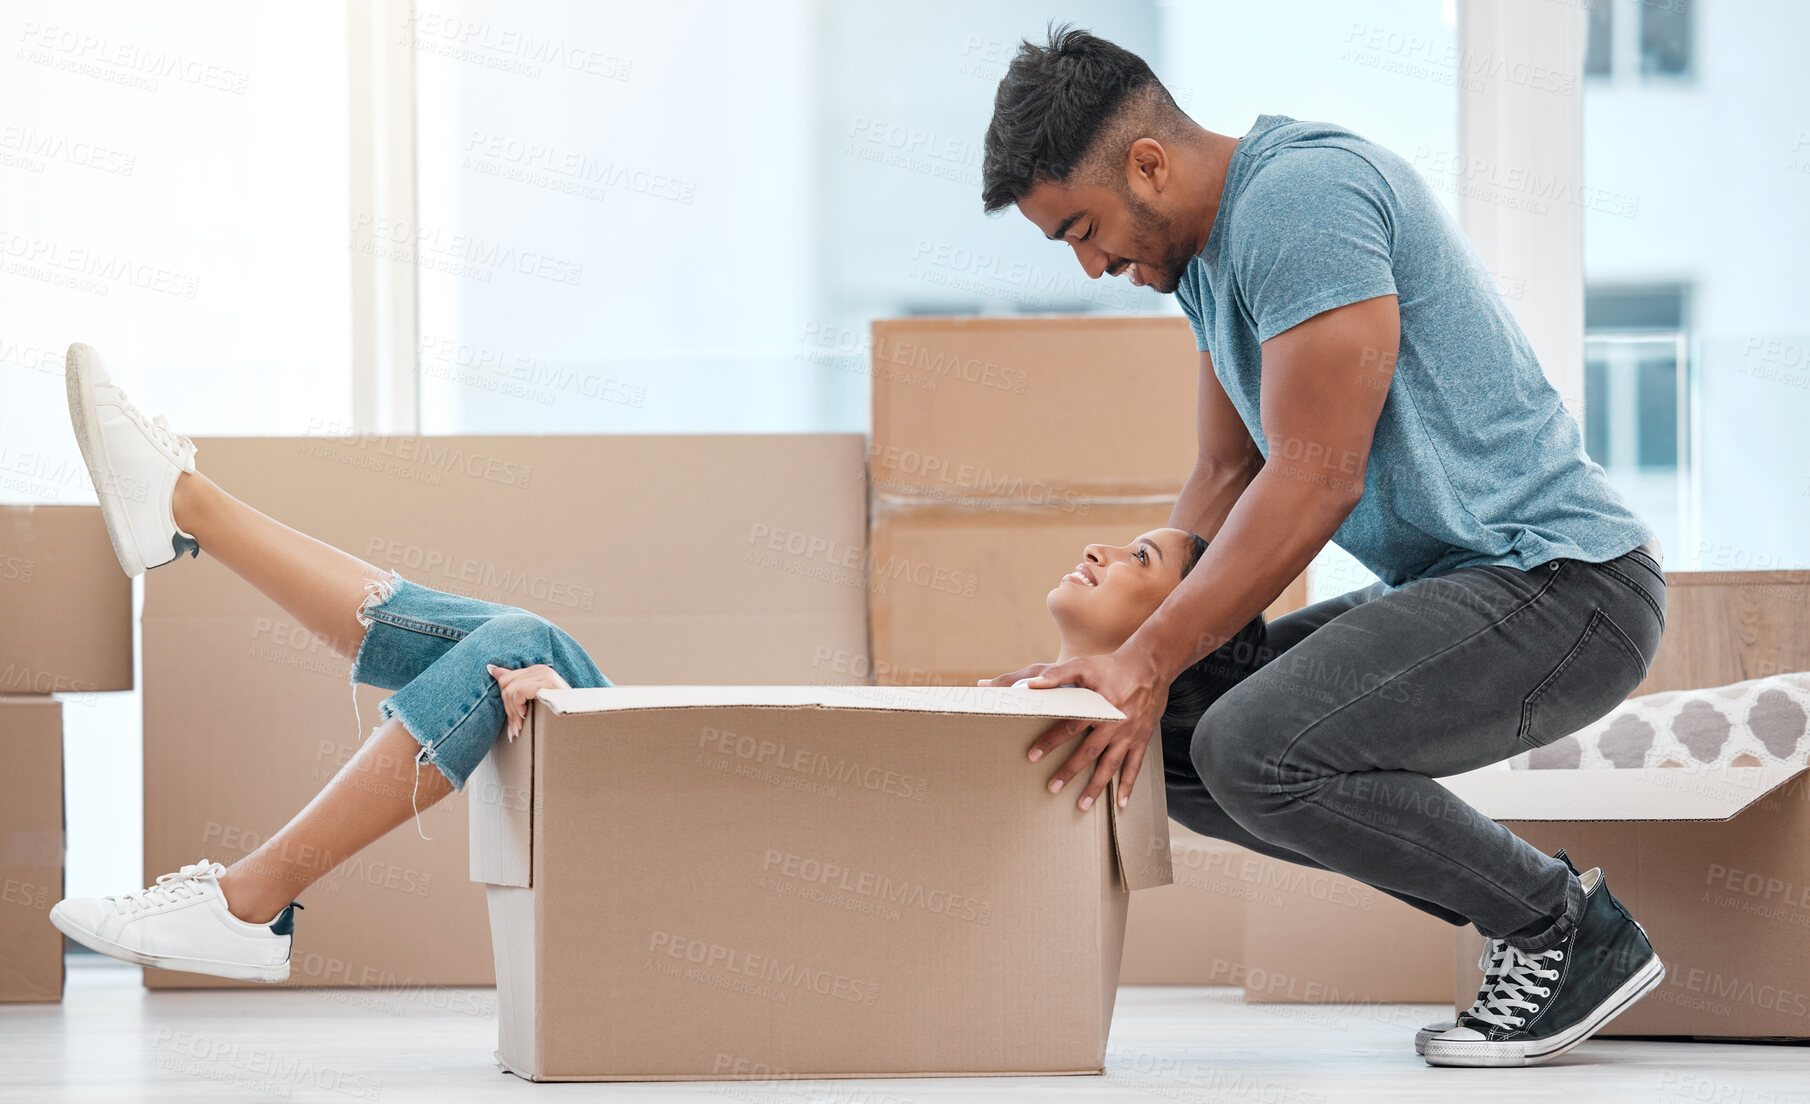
(31, 847)
(1001, 448)
(66, 604)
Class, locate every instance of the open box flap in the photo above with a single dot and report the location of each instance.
(1604, 794)
(1002, 701)
(499, 795)
(1140, 831)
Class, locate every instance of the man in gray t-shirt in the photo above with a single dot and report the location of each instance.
(1361, 382)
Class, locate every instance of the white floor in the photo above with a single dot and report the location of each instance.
(111, 1040)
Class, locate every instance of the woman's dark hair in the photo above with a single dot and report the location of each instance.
(1052, 106)
(1201, 685)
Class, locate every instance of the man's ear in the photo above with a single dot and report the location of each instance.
(1147, 166)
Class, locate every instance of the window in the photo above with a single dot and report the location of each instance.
(1655, 42)
(1600, 38)
(1665, 38)
(1634, 344)
(1697, 384)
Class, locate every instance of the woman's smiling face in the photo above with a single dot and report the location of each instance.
(1116, 587)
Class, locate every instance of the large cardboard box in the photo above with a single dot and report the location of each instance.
(31, 847)
(1001, 448)
(66, 605)
(669, 558)
(1713, 863)
(1191, 932)
(738, 882)
(1316, 937)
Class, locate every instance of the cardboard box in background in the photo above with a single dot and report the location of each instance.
(66, 604)
(721, 559)
(805, 882)
(31, 847)
(1316, 937)
(1034, 409)
(1715, 866)
(1190, 932)
(1001, 448)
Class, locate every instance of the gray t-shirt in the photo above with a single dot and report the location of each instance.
(1475, 460)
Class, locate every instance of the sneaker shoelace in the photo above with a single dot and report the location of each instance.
(157, 427)
(184, 884)
(1515, 976)
(1490, 962)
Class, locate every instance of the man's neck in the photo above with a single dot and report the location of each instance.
(1206, 158)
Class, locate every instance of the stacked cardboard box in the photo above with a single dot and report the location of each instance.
(31, 847)
(66, 605)
(66, 611)
(719, 559)
(859, 881)
(1001, 448)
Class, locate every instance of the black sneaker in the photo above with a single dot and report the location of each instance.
(1490, 962)
(1544, 1003)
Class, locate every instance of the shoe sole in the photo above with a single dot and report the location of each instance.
(87, 424)
(236, 970)
(1482, 1053)
(1426, 1033)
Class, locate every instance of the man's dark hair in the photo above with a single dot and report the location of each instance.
(1052, 106)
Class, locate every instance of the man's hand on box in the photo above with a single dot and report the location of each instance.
(1130, 681)
(1022, 673)
(518, 688)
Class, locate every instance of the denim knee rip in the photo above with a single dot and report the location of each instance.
(377, 592)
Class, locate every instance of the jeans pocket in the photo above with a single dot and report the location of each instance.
(1596, 675)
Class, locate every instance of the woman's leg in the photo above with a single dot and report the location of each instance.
(319, 585)
(377, 790)
(448, 713)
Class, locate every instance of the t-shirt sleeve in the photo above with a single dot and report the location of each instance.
(1187, 293)
(1315, 231)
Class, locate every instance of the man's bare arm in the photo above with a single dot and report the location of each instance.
(1324, 383)
(1227, 460)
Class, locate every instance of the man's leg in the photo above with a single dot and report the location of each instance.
(1191, 806)
(1330, 749)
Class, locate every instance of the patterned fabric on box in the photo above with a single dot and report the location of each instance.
(1761, 722)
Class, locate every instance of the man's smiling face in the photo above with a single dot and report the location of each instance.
(1112, 232)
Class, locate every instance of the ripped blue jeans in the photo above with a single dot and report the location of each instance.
(431, 648)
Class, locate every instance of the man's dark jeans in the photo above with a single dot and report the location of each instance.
(1325, 752)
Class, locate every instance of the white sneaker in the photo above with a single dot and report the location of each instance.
(133, 461)
(181, 923)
